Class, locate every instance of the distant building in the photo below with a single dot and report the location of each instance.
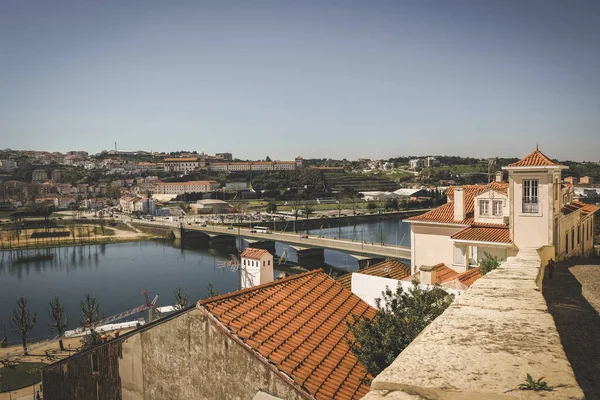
(255, 166)
(257, 267)
(184, 165)
(210, 206)
(39, 175)
(586, 180)
(237, 186)
(8, 165)
(431, 162)
(224, 156)
(56, 175)
(185, 187)
(416, 164)
(571, 179)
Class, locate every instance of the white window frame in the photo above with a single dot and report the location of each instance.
(531, 191)
(497, 208)
(484, 207)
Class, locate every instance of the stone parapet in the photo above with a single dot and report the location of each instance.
(484, 344)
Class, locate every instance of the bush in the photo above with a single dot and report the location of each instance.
(488, 263)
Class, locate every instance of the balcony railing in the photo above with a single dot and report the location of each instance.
(529, 207)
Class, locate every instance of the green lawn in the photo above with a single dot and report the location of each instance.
(23, 375)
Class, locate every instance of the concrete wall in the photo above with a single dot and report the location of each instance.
(432, 245)
(484, 344)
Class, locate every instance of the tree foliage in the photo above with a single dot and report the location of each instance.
(21, 320)
(182, 299)
(58, 320)
(488, 263)
(400, 317)
(91, 339)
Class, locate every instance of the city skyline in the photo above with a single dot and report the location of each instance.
(340, 80)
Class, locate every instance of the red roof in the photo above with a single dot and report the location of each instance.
(298, 325)
(253, 253)
(445, 213)
(535, 159)
(391, 268)
(443, 273)
(468, 277)
(579, 205)
(494, 234)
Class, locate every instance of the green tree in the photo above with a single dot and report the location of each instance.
(271, 207)
(182, 299)
(371, 205)
(268, 159)
(488, 263)
(212, 291)
(392, 204)
(307, 208)
(400, 317)
(91, 339)
(21, 320)
(58, 320)
(90, 310)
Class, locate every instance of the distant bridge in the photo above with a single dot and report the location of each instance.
(300, 243)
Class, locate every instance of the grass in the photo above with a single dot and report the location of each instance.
(23, 375)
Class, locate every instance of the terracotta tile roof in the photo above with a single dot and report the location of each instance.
(253, 253)
(494, 234)
(445, 212)
(535, 159)
(468, 277)
(391, 268)
(443, 273)
(579, 205)
(298, 324)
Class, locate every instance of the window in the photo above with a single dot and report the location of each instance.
(497, 208)
(484, 207)
(578, 233)
(556, 186)
(530, 196)
(268, 262)
(572, 238)
(94, 363)
(459, 256)
(567, 242)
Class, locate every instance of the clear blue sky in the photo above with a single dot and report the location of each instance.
(341, 79)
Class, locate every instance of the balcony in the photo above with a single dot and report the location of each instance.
(530, 207)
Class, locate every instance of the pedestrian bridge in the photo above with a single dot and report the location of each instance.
(303, 242)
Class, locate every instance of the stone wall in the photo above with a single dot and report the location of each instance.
(484, 344)
(186, 356)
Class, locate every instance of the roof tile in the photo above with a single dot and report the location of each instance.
(493, 234)
(535, 159)
(299, 325)
(253, 253)
(390, 268)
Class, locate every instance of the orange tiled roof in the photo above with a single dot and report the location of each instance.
(443, 273)
(393, 269)
(298, 324)
(445, 213)
(467, 278)
(484, 233)
(579, 205)
(535, 159)
(253, 253)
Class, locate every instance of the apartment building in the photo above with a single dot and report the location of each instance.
(39, 175)
(185, 187)
(183, 164)
(256, 166)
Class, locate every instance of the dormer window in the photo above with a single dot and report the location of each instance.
(497, 208)
(530, 196)
(484, 207)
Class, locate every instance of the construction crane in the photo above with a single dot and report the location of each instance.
(105, 321)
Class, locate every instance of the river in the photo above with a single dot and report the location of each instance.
(117, 273)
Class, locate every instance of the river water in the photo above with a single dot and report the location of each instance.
(117, 273)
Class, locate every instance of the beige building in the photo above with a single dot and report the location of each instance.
(184, 164)
(257, 267)
(39, 175)
(256, 166)
(533, 209)
(210, 206)
(185, 187)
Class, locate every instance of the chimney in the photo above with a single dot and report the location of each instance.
(459, 204)
(427, 275)
(499, 176)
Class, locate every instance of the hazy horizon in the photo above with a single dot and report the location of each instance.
(340, 79)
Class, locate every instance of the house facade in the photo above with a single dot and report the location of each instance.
(533, 209)
(257, 267)
(185, 187)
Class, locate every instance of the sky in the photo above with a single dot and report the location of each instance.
(338, 79)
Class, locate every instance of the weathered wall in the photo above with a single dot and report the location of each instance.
(484, 344)
(74, 379)
(432, 245)
(190, 358)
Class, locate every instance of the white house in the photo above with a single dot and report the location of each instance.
(531, 210)
(257, 267)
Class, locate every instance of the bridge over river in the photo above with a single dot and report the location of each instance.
(301, 242)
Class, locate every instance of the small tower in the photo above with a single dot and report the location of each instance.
(256, 267)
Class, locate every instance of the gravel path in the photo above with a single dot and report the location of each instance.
(573, 299)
